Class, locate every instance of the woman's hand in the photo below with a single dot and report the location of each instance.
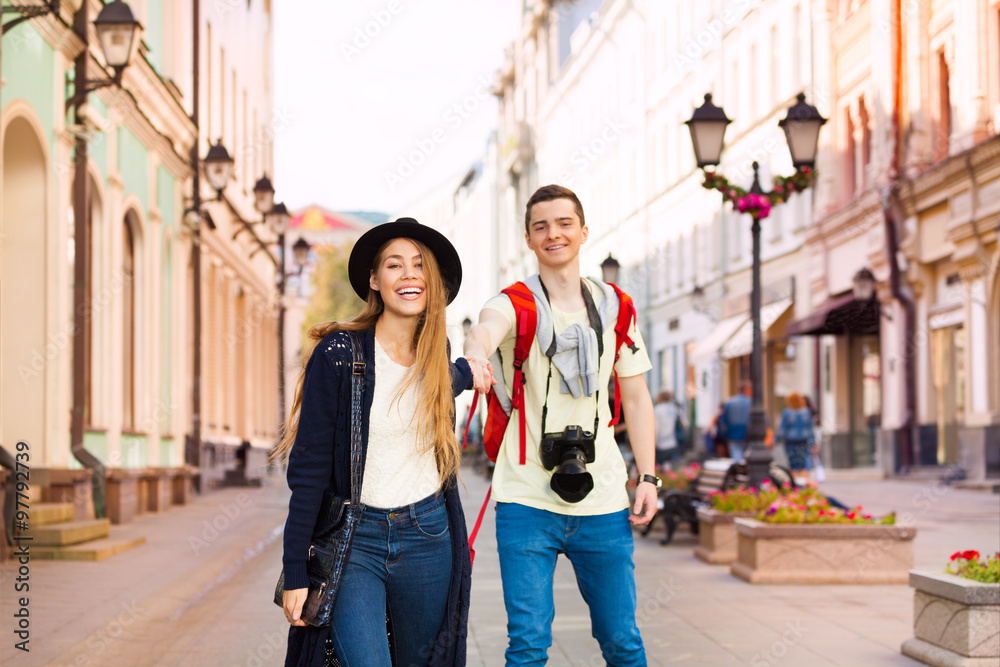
(292, 602)
(482, 374)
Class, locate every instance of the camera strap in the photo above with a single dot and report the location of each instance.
(595, 323)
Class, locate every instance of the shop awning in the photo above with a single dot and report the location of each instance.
(741, 343)
(839, 316)
(708, 346)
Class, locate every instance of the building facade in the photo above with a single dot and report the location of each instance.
(593, 95)
(138, 365)
(915, 94)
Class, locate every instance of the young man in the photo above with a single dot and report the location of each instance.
(536, 519)
(735, 419)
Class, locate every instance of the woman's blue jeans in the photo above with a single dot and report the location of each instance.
(400, 557)
(600, 549)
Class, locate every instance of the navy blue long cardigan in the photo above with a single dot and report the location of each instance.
(320, 459)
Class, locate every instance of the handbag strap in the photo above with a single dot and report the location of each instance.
(357, 400)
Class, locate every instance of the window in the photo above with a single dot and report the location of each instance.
(866, 140)
(128, 326)
(775, 66)
(796, 48)
(208, 81)
(849, 155)
(942, 123)
(222, 94)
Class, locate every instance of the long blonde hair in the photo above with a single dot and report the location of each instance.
(430, 372)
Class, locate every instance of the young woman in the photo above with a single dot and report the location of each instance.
(796, 429)
(409, 558)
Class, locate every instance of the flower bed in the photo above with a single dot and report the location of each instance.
(716, 532)
(956, 620)
(678, 479)
(823, 553)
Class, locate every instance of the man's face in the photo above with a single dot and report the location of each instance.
(555, 233)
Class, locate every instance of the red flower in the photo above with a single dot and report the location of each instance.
(956, 555)
(970, 555)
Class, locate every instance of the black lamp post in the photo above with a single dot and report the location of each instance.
(218, 168)
(609, 269)
(278, 219)
(801, 125)
(864, 285)
(300, 251)
(263, 195)
(116, 28)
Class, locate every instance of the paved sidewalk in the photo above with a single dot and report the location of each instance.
(691, 613)
(198, 592)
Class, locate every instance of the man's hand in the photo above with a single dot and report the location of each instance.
(480, 345)
(482, 374)
(292, 602)
(645, 504)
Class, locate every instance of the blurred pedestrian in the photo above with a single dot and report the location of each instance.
(409, 556)
(715, 441)
(796, 430)
(669, 423)
(734, 420)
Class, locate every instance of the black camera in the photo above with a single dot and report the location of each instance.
(569, 453)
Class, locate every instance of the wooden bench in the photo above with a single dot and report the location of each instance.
(681, 506)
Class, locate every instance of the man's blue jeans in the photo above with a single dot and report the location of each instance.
(399, 556)
(737, 449)
(600, 548)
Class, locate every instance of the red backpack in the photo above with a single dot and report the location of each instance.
(497, 418)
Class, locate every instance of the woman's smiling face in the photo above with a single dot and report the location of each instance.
(399, 279)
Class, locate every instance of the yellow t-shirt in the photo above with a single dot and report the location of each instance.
(528, 484)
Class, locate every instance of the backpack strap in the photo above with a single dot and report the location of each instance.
(526, 319)
(626, 317)
(479, 522)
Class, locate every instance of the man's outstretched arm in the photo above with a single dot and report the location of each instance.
(481, 343)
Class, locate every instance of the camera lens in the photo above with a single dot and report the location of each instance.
(571, 481)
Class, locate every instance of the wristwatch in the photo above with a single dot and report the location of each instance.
(652, 479)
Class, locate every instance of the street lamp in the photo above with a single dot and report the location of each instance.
(300, 251)
(116, 27)
(699, 303)
(218, 168)
(263, 195)
(609, 269)
(278, 219)
(864, 285)
(801, 125)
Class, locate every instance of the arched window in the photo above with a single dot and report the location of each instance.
(128, 324)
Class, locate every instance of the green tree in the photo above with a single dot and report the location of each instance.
(332, 298)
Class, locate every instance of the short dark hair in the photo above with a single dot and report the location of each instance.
(549, 193)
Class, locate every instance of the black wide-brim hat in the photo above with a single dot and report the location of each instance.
(360, 264)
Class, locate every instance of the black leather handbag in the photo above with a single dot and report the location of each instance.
(331, 540)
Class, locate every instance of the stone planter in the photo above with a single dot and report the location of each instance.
(956, 621)
(822, 553)
(717, 535)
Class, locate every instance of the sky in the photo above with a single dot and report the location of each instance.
(383, 100)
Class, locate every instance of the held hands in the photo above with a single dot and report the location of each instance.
(292, 602)
(482, 374)
(645, 504)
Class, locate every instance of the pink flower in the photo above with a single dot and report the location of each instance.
(778, 188)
